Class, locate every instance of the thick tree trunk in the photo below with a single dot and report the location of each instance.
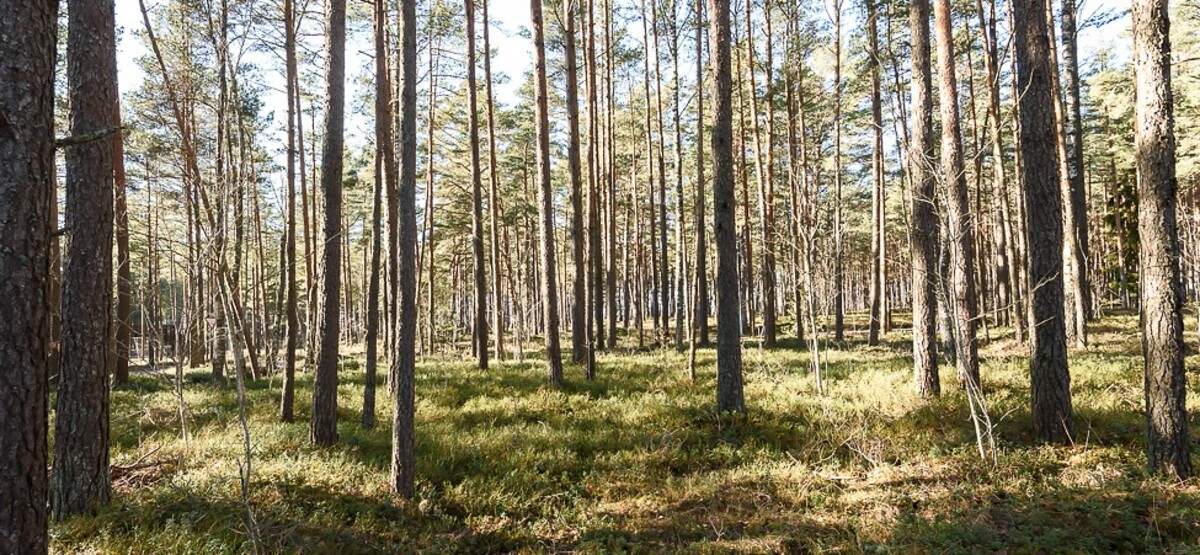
(325, 381)
(1161, 292)
(923, 227)
(729, 348)
(1049, 375)
(79, 482)
(27, 184)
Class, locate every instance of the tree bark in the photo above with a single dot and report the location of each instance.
(493, 189)
(701, 301)
(480, 285)
(962, 231)
(403, 359)
(878, 248)
(80, 482)
(288, 387)
(545, 199)
(27, 184)
(1049, 376)
(923, 227)
(729, 348)
(325, 381)
(1161, 293)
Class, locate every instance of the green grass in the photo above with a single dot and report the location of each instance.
(638, 461)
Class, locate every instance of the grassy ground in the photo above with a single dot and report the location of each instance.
(637, 461)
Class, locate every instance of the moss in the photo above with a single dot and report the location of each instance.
(637, 461)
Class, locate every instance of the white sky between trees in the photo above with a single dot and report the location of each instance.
(513, 58)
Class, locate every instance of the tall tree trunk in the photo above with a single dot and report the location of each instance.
(493, 189)
(288, 394)
(764, 175)
(385, 179)
(878, 249)
(664, 272)
(1161, 293)
(1049, 376)
(839, 296)
(545, 199)
(729, 348)
(80, 481)
(578, 292)
(1073, 131)
(325, 381)
(403, 359)
(480, 285)
(701, 301)
(610, 256)
(1008, 253)
(965, 301)
(923, 227)
(27, 183)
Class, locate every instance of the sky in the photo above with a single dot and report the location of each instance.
(513, 57)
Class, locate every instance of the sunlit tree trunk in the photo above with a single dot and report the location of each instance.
(325, 381)
(79, 482)
(1161, 291)
(729, 348)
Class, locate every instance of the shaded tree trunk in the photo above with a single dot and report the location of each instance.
(493, 189)
(403, 361)
(27, 56)
(578, 292)
(878, 249)
(701, 301)
(1049, 375)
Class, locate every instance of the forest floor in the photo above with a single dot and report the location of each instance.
(638, 461)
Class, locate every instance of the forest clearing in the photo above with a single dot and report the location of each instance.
(598, 276)
(637, 460)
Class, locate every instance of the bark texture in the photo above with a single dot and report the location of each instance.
(1050, 378)
(924, 225)
(729, 347)
(403, 355)
(1161, 292)
(325, 380)
(26, 193)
